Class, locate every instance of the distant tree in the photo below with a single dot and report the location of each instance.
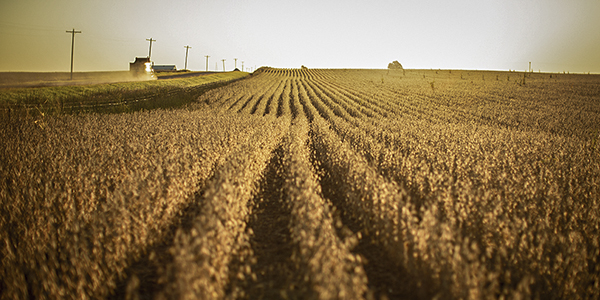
(395, 65)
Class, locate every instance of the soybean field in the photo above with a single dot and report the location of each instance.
(312, 184)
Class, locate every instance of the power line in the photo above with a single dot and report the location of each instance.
(27, 26)
(72, 32)
(23, 34)
(102, 37)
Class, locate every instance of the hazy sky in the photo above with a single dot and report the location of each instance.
(555, 35)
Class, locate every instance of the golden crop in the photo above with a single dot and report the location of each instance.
(313, 184)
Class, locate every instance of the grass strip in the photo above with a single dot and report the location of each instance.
(112, 97)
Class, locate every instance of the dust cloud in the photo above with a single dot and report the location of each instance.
(41, 79)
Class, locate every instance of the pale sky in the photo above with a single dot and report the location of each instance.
(555, 35)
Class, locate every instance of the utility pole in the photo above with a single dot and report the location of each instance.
(242, 66)
(235, 62)
(529, 66)
(206, 62)
(187, 47)
(72, 32)
(150, 50)
(223, 65)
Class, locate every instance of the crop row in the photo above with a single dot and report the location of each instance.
(82, 197)
(202, 253)
(481, 206)
(373, 183)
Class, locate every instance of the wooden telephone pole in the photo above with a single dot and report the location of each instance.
(72, 32)
(206, 62)
(187, 47)
(150, 50)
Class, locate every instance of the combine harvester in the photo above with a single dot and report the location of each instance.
(141, 69)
